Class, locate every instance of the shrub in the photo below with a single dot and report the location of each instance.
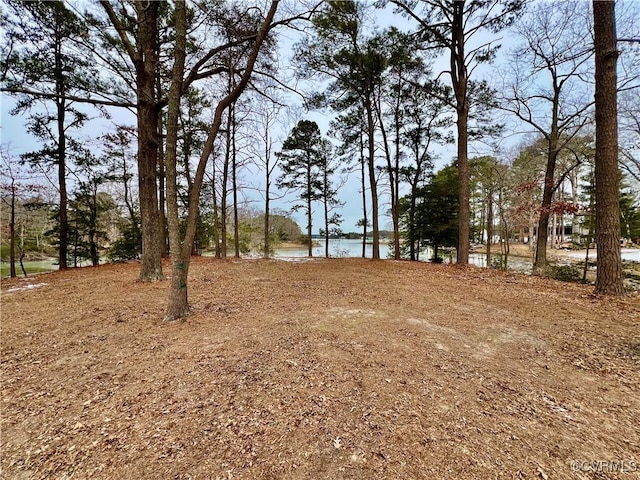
(128, 247)
(565, 273)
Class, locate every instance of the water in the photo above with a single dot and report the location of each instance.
(344, 248)
(629, 254)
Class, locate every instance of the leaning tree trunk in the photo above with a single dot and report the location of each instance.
(607, 175)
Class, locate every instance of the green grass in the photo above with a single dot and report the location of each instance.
(37, 266)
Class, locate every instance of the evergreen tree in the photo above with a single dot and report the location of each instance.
(45, 69)
(435, 221)
(301, 161)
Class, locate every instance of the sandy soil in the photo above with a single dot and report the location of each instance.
(329, 369)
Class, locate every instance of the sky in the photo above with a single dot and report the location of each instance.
(13, 134)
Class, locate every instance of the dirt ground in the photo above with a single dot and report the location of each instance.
(324, 369)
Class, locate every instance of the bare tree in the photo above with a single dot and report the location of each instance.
(629, 132)
(547, 89)
(264, 118)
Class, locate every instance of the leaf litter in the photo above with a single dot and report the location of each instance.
(342, 369)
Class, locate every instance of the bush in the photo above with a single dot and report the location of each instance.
(4, 252)
(128, 247)
(565, 273)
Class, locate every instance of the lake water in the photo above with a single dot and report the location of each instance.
(630, 254)
(344, 248)
(353, 249)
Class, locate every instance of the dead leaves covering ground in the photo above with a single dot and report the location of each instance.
(331, 369)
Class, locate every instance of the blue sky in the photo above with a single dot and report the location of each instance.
(14, 136)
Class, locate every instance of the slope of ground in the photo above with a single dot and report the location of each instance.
(327, 369)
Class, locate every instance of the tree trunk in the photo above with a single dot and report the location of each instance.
(309, 219)
(62, 186)
(234, 182)
(540, 263)
(393, 183)
(412, 225)
(93, 249)
(214, 203)
(62, 144)
(12, 233)
(325, 201)
(144, 56)
(489, 226)
(609, 279)
(372, 180)
(364, 198)
(177, 306)
(178, 302)
(24, 270)
(267, 242)
(151, 268)
(225, 182)
(162, 215)
(459, 81)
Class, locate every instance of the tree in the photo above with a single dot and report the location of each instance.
(547, 90)
(15, 187)
(137, 30)
(607, 175)
(339, 51)
(180, 244)
(452, 25)
(328, 195)
(264, 118)
(118, 159)
(425, 117)
(484, 178)
(47, 71)
(301, 159)
(630, 215)
(88, 212)
(436, 216)
(404, 97)
(629, 133)
(350, 129)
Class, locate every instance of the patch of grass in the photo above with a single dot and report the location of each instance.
(31, 268)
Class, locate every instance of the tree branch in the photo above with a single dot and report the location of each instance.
(73, 98)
